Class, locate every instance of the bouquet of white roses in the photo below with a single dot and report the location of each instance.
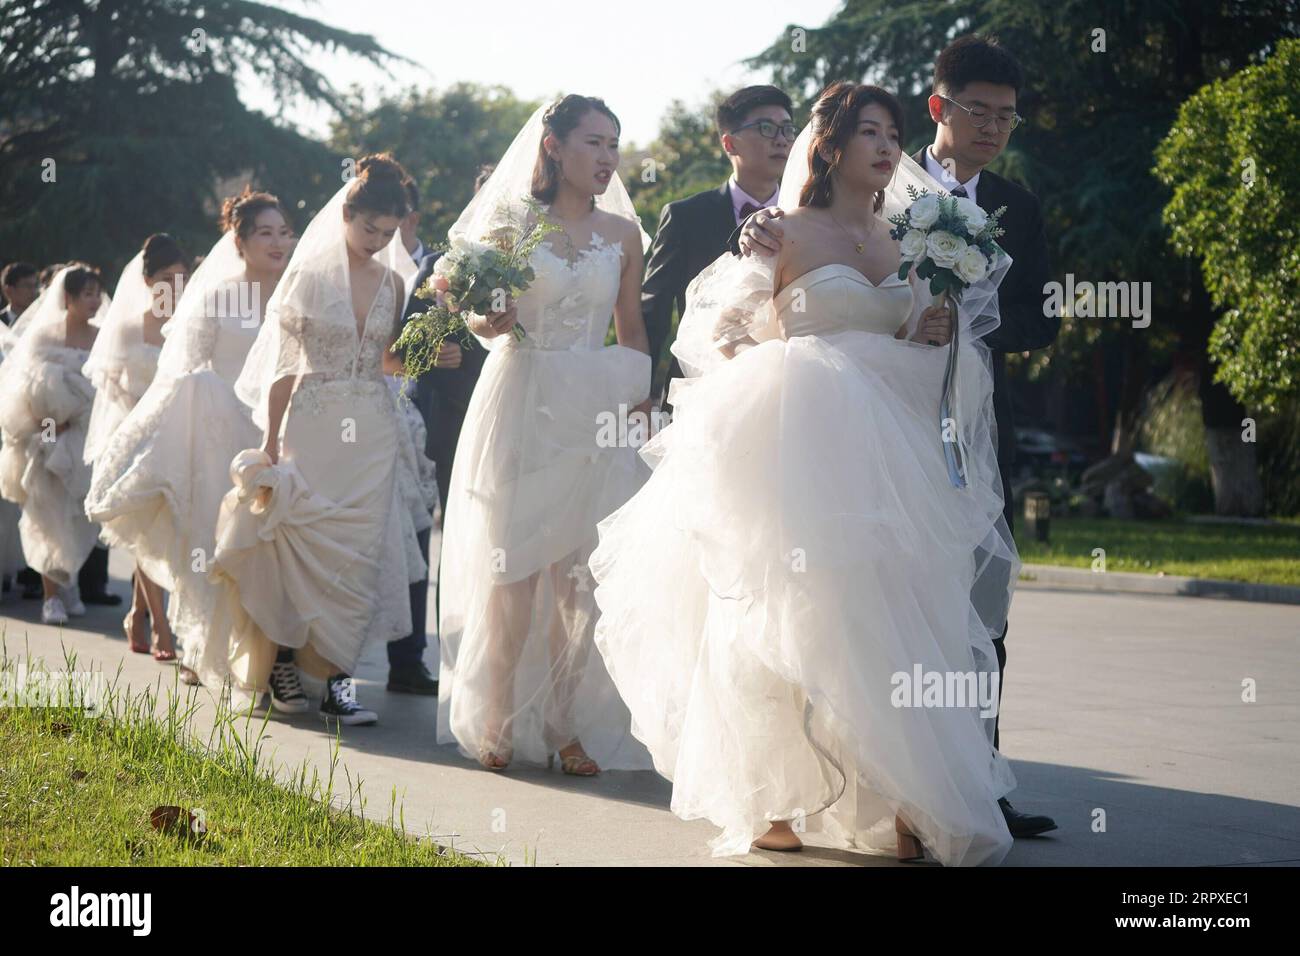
(472, 276)
(951, 240)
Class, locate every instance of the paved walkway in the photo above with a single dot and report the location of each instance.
(1117, 706)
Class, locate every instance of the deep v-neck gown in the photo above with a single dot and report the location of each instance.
(534, 473)
(325, 563)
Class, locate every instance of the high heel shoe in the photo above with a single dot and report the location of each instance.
(163, 654)
(488, 758)
(910, 849)
(140, 647)
(576, 765)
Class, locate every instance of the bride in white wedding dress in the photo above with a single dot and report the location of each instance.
(532, 477)
(121, 366)
(800, 555)
(316, 546)
(45, 404)
(159, 480)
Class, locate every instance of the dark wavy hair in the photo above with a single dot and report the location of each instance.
(239, 213)
(561, 119)
(834, 121)
(380, 187)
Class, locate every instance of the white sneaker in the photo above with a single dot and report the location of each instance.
(53, 612)
(72, 601)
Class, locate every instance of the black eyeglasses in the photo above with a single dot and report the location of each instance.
(768, 129)
(979, 118)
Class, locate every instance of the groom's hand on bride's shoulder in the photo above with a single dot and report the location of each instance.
(762, 234)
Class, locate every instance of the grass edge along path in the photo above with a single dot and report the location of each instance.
(125, 782)
(1256, 554)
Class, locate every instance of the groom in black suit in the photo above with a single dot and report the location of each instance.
(755, 131)
(973, 105)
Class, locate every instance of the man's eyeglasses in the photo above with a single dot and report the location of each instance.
(979, 117)
(768, 129)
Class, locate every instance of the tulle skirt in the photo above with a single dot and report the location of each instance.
(43, 472)
(157, 489)
(774, 598)
(531, 480)
(317, 553)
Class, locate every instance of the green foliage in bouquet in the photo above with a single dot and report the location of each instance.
(473, 277)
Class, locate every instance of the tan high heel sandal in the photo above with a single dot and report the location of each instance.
(910, 849)
(576, 765)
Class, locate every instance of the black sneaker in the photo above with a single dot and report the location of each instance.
(340, 703)
(286, 689)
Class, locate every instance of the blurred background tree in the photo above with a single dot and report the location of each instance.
(442, 138)
(120, 117)
(685, 158)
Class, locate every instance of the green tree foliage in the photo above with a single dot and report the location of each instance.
(1233, 161)
(685, 158)
(441, 138)
(132, 106)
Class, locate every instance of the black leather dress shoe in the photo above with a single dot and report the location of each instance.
(414, 679)
(1024, 824)
(107, 598)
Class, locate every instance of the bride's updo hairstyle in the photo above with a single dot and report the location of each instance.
(379, 187)
(239, 213)
(79, 276)
(834, 121)
(160, 251)
(561, 119)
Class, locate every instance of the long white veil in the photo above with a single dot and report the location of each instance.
(316, 285)
(503, 198)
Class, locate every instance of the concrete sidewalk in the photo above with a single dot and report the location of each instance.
(1122, 707)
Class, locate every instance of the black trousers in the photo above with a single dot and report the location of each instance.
(93, 576)
(409, 651)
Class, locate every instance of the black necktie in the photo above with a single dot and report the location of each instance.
(960, 191)
(748, 210)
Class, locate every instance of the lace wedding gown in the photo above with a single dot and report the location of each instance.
(317, 552)
(531, 480)
(158, 484)
(43, 472)
(797, 546)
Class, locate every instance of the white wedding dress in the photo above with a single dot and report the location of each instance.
(318, 551)
(798, 544)
(159, 481)
(530, 482)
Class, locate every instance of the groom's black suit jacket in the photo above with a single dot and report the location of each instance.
(1020, 300)
(692, 233)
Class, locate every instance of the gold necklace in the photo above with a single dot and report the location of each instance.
(857, 244)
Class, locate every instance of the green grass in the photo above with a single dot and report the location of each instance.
(79, 790)
(1258, 554)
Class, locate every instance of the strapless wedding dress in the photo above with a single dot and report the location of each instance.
(798, 545)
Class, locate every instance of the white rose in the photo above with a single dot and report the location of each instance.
(923, 213)
(971, 265)
(945, 248)
(912, 246)
(976, 218)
